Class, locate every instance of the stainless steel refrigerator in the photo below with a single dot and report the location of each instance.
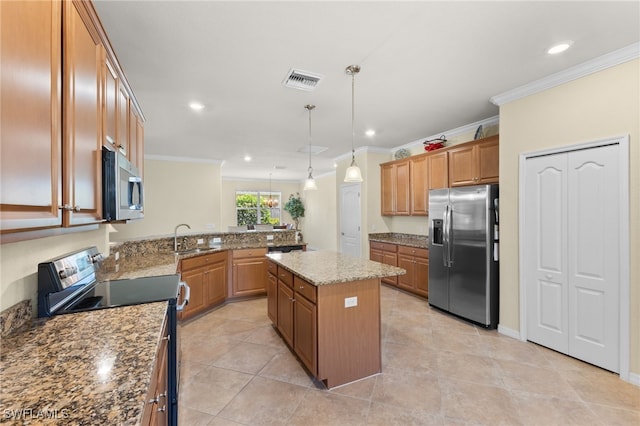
(463, 252)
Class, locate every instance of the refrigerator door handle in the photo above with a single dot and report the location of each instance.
(445, 237)
(450, 237)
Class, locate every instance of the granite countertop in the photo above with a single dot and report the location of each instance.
(411, 240)
(85, 368)
(166, 263)
(327, 267)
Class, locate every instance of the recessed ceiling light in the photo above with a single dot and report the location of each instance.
(370, 132)
(560, 47)
(196, 106)
(247, 158)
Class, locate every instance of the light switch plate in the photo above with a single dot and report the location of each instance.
(350, 302)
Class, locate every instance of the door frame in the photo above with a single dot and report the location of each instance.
(624, 241)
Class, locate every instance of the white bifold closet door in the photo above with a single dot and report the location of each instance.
(571, 232)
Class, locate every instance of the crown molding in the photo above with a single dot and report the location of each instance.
(182, 159)
(600, 63)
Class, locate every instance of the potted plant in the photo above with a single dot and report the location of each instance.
(295, 208)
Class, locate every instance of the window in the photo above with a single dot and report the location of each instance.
(247, 208)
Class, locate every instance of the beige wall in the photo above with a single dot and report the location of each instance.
(176, 192)
(319, 229)
(19, 262)
(597, 106)
(227, 199)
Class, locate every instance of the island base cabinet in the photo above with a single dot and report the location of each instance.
(304, 338)
(285, 313)
(348, 337)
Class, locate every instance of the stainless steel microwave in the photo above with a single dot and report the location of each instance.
(122, 189)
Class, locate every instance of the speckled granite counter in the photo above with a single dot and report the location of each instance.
(165, 263)
(411, 240)
(99, 373)
(327, 267)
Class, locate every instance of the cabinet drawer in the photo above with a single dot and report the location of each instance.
(198, 261)
(285, 276)
(413, 251)
(272, 268)
(304, 288)
(254, 252)
(384, 246)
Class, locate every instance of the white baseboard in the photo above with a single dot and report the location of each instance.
(509, 332)
(634, 379)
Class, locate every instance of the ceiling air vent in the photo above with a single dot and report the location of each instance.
(302, 80)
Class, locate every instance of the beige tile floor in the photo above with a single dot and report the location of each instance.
(435, 370)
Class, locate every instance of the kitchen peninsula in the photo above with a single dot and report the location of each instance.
(326, 306)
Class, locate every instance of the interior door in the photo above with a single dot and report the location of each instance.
(593, 245)
(572, 236)
(546, 247)
(350, 219)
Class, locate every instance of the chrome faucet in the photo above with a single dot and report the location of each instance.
(175, 236)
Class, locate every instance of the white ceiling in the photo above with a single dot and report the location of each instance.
(426, 67)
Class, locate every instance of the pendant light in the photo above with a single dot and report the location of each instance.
(310, 183)
(353, 171)
(271, 202)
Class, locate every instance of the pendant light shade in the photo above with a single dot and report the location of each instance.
(310, 183)
(353, 171)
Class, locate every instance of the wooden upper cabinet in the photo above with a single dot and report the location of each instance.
(387, 192)
(419, 191)
(474, 163)
(110, 103)
(82, 128)
(30, 106)
(402, 188)
(394, 188)
(488, 160)
(123, 121)
(136, 135)
(438, 166)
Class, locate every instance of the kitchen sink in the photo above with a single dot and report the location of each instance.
(190, 251)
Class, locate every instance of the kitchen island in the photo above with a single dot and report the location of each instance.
(326, 307)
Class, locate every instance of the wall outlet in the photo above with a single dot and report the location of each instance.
(200, 240)
(350, 302)
(217, 240)
(269, 237)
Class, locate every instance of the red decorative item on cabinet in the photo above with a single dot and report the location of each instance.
(433, 144)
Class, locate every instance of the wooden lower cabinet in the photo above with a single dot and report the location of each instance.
(206, 276)
(249, 276)
(272, 298)
(414, 260)
(416, 263)
(385, 253)
(155, 409)
(285, 312)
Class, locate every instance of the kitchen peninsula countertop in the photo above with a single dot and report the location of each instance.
(85, 368)
(166, 263)
(327, 267)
